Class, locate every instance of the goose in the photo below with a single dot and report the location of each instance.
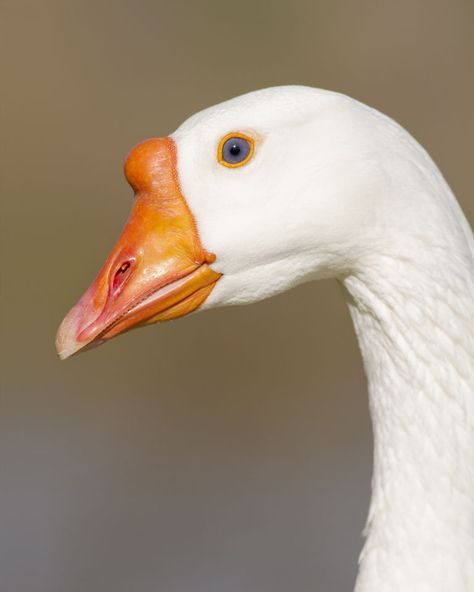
(291, 184)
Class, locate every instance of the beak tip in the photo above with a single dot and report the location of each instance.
(63, 353)
(66, 343)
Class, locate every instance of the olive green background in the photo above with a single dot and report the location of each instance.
(225, 452)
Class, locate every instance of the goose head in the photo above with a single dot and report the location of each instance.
(245, 200)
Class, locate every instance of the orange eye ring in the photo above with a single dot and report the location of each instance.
(220, 149)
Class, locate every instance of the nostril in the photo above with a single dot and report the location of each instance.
(121, 275)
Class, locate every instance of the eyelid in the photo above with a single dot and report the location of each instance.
(228, 136)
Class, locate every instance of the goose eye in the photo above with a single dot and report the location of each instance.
(235, 150)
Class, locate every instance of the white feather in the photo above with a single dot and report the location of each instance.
(337, 189)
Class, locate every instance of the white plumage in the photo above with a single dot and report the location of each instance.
(337, 189)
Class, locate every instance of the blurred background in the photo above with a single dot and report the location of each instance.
(229, 451)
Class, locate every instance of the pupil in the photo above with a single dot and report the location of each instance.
(235, 150)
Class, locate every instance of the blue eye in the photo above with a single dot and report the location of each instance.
(235, 150)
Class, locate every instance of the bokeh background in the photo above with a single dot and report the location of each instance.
(229, 451)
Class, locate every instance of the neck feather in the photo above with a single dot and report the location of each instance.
(413, 315)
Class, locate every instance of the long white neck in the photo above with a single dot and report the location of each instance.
(413, 314)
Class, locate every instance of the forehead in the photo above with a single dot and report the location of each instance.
(260, 110)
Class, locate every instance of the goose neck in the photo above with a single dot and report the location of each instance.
(414, 324)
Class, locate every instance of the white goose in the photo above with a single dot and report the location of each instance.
(290, 184)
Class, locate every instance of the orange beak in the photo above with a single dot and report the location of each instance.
(157, 271)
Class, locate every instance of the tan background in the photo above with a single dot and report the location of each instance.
(230, 451)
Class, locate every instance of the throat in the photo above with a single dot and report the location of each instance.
(415, 331)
